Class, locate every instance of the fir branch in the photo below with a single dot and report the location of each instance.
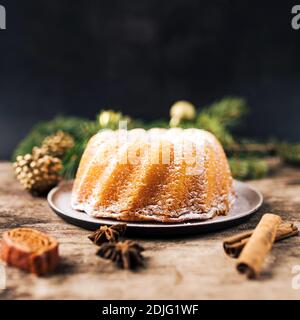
(212, 124)
(160, 123)
(251, 147)
(248, 168)
(229, 111)
(76, 127)
(290, 152)
(72, 159)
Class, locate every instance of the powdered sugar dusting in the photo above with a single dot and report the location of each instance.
(170, 181)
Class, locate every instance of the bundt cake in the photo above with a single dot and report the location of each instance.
(164, 175)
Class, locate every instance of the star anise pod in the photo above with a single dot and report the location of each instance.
(126, 254)
(107, 234)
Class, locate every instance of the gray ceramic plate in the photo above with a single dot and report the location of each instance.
(248, 201)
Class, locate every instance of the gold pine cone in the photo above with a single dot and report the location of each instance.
(37, 173)
(57, 144)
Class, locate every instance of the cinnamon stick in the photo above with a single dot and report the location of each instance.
(251, 259)
(235, 244)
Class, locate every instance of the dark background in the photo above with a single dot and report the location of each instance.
(76, 57)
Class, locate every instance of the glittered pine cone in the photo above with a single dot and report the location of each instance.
(57, 144)
(38, 173)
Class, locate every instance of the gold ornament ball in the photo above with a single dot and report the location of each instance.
(109, 117)
(183, 110)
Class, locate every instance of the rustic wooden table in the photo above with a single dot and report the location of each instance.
(185, 268)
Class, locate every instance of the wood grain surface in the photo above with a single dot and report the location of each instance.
(182, 268)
